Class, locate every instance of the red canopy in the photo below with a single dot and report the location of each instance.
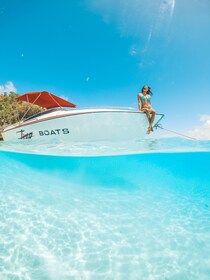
(45, 99)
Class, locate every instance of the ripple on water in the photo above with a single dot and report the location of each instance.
(62, 148)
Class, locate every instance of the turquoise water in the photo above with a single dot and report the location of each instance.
(92, 213)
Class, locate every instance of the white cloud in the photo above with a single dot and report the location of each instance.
(8, 87)
(129, 16)
(135, 17)
(202, 131)
(204, 118)
(163, 18)
(144, 20)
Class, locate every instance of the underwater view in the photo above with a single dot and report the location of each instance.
(108, 73)
(121, 211)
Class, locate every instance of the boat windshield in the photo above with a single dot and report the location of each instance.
(45, 112)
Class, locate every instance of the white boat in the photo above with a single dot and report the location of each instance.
(62, 120)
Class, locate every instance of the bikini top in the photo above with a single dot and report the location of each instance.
(144, 98)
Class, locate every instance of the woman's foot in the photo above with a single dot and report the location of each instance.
(151, 128)
(148, 130)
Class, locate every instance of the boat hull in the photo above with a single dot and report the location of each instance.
(84, 126)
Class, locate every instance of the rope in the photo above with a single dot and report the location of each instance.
(178, 133)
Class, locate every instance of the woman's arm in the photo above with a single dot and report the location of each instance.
(139, 101)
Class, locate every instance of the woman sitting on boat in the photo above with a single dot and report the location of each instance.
(144, 103)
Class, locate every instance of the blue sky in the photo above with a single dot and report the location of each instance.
(101, 52)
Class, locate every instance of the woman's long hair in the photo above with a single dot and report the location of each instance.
(149, 90)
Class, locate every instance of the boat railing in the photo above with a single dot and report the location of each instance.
(103, 107)
(78, 108)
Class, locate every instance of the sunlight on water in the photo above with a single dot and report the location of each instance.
(139, 216)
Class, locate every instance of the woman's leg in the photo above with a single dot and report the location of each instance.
(152, 118)
(146, 111)
(149, 120)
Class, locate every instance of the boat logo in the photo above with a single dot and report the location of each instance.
(25, 135)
